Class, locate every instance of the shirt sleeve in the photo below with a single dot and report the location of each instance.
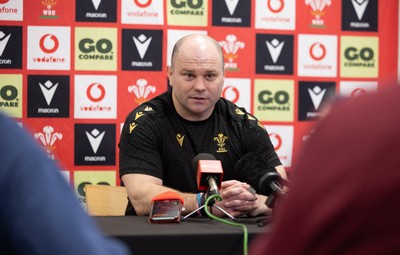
(139, 145)
(257, 140)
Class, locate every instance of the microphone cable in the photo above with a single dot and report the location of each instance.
(245, 232)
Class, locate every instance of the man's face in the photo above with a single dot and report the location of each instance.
(197, 79)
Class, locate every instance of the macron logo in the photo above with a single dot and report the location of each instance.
(3, 41)
(231, 4)
(96, 3)
(316, 95)
(95, 138)
(48, 90)
(275, 48)
(142, 44)
(359, 7)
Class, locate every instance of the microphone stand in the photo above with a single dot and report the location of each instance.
(276, 191)
(270, 202)
(212, 204)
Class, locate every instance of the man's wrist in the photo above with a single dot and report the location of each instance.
(262, 208)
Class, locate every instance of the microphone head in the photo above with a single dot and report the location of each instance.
(255, 171)
(202, 156)
(207, 166)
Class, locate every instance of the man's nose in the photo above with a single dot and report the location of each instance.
(200, 84)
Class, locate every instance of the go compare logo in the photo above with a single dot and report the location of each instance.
(95, 51)
(359, 56)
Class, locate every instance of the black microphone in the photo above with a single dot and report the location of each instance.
(209, 173)
(254, 170)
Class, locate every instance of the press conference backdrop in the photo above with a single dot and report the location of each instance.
(70, 71)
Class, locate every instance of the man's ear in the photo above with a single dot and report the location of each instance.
(169, 74)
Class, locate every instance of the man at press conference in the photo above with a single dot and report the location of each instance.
(161, 137)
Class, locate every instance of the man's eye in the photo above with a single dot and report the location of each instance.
(211, 76)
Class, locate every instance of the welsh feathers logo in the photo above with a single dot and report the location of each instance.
(141, 90)
(49, 12)
(318, 12)
(231, 46)
(48, 138)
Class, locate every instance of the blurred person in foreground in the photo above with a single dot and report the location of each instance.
(345, 189)
(39, 213)
(161, 137)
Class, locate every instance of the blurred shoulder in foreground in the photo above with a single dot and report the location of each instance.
(345, 189)
(39, 213)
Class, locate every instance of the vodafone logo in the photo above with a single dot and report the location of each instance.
(317, 51)
(48, 43)
(143, 3)
(358, 92)
(99, 99)
(49, 48)
(231, 93)
(95, 92)
(276, 140)
(275, 6)
(318, 55)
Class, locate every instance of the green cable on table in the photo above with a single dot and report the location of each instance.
(245, 234)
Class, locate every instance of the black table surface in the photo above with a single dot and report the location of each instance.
(192, 236)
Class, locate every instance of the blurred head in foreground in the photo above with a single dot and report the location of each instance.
(39, 213)
(344, 193)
